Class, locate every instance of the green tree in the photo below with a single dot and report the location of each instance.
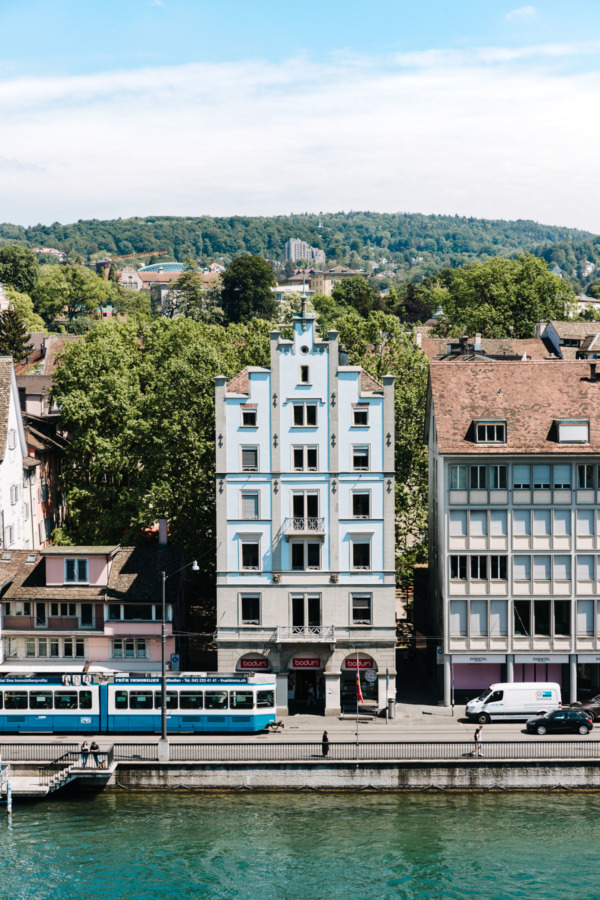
(247, 290)
(13, 336)
(23, 306)
(357, 294)
(190, 296)
(18, 268)
(502, 297)
(74, 289)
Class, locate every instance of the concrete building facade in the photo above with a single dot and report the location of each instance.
(305, 524)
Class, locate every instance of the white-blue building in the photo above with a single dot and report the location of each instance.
(305, 524)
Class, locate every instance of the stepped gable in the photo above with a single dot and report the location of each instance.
(530, 396)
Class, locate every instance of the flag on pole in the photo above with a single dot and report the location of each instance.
(359, 696)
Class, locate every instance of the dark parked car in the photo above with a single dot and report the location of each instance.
(590, 706)
(561, 721)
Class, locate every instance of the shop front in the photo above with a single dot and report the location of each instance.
(588, 675)
(466, 675)
(253, 662)
(306, 684)
(367, 669)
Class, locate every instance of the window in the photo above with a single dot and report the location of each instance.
(491, 432)
(458, 523)
(241, 699)
(458, 478)
(522, 610)
(140, 700)
(522, 568)
(562, 477)
(304, 375)
(250, 459)
(585, 568)
(585, 618)
(304, 459)
(541, 522)
(585, 477)
(30, 647)
(478, 567)
(361, 504)
(305, 555)
(478, 478)
(130, 648)
(361, 609)
(306, 610)
(458, 568)
(304, 415)
(265, 698)
(360, 416)
(499, 618)
(360, 459)
(585, 522)
(562, 522)
(248, 418)
(478, 618)
(573, 431)
(305, 505)
(498, 568)
(458, 618)
(138, 612)
(562, 617)
(45, 493)
(250, 609)
(191, 699)
(541, 618)
(40, 700)
(76, 571)
(171, 700)
(541, 477)
(522, 478)
(87, 615)
(562, 568)
(249, 504)
(361, 554)
(478, 524)
(250, 553)
(498, 479)
(215, 700)
(541, 568)
(498, 523)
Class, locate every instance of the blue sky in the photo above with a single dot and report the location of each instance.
(185, 107)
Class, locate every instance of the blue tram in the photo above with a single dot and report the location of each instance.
(129, 704)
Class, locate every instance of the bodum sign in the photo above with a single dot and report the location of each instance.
(306, 662)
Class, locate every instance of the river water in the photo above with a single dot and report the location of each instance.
(301, 847)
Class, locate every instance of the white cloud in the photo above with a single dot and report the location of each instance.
(524, 13)
(478, 134)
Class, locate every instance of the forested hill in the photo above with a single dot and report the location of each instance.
(414, 243)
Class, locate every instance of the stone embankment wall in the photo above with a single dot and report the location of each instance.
(383, 776)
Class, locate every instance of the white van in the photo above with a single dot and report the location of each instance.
(514, 700)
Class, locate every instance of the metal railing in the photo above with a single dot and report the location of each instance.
(371, 751)
(52, 774)
(310, 524)
(34, 752)
(305, 633)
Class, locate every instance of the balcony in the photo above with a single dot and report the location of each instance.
(311, 526)
(314, 634)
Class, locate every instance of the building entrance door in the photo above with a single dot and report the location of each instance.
(308, 692)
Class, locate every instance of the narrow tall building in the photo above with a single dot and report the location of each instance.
(305, 524)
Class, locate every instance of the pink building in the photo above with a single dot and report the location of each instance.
(92, 609)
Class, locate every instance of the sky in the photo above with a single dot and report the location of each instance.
(126, 108)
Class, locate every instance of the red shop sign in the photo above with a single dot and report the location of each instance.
(306, 662)
(254, 663)
(362, 663)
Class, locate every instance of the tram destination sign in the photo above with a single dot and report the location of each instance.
(182, 679)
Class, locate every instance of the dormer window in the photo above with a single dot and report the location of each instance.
(76, 571)
(490, 431)
(573, 431)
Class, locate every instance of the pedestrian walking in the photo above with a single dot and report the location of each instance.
(95, 751)
(325, 743)
(310, 697)
(85, 752)
(478, 741)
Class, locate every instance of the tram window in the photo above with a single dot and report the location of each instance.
(40, 700)
(85, 699)
(171, 699)
(265, 698)
(1, 700)
(241, 699)
(121, 700)
(215, 699)
(190, 699)
(15, 700)
(140, 700)
(65, 700)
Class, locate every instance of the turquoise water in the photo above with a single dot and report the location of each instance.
(300, 847)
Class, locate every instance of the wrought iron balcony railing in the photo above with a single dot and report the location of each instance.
(313, 525)
(312, 633)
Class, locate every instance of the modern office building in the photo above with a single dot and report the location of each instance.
(515, 522)
(305, 524)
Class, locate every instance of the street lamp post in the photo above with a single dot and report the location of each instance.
(163, 666)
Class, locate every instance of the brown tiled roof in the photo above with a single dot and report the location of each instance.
(590, 341)
(575, 329)
(135, 576)
(368, 384)
(55, 344)
(535, 348)
(530, 396)
(239, 384)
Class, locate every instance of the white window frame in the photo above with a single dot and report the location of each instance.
(361, 539)
(303, 367)
(490, 432)
(76, 579)
(252, 596)
(252, 411)
(304, 448)
(254, 447)
(360, 408)
(245, 539)
(139, 644)
(303, 404)
(362, 447)
(246, 494)
(361, 595)
(368, 493)
(305, 567)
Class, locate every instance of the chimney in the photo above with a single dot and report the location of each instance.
(464, 343)
(592, 371)
(162, 532)
(477, 344)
